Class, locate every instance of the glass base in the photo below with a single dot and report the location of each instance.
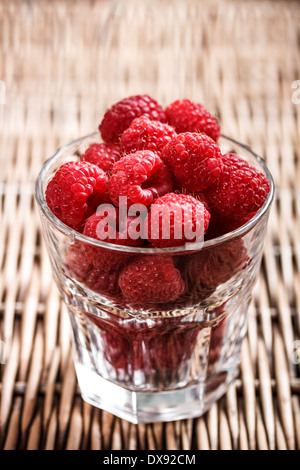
(148, 407)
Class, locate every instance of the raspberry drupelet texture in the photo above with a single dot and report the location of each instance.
(151, 279)
(199, 195)
(68, 193)
(237, 221)
(103, 155)
(217, 265)
(121, 114)
(175, 219)
(76, 261)
(187, 116)
(195, 160)
(104, 226)
(205, 270)
(146, 134)
(142, 177)
(175, 347)
(105, 283)
(241, 189)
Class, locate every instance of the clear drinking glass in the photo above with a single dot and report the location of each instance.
(156, 362)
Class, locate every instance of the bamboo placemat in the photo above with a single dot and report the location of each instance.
(63, 62)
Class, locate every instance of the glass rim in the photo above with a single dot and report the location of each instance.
(187, 247)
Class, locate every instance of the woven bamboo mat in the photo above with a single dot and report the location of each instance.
(63, 62)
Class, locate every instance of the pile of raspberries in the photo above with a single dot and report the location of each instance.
(169, 162)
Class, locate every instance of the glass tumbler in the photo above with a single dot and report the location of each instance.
(149, 361)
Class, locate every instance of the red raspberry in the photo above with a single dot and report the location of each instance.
(217, 225)
(117, 347)
(81, 269)
(104, 226)
(151, 279)
(175, 219)
(103, 283)
(199, 195)
(141, 177)
(68, 193)
(195, 160)
(146, 134)
(187, 116)
(237, 222)
(76, 261)
(120, 116)
(139, 346)
(102, 155)
(118, 340)
(220, 225)
(206, 270)
(170, 349)
(241, 190)
(95, 201)
(225, 261)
